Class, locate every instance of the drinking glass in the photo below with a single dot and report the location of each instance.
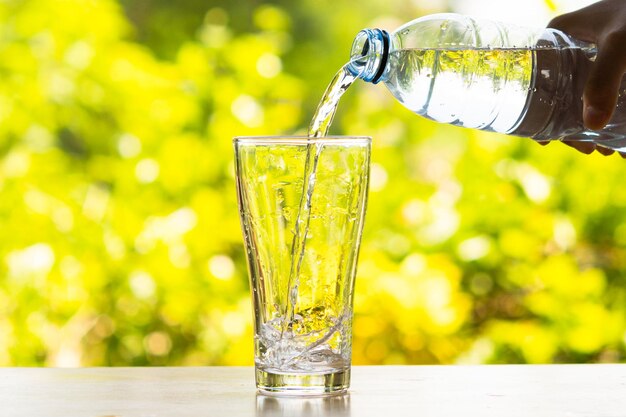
(302, 205)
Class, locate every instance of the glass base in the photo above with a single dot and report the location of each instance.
(285, 384)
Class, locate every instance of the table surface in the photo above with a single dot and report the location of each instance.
(387, 391)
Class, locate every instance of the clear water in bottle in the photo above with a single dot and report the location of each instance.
(476, 88)
(510, 91)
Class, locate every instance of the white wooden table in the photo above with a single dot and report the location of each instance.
(393, 391)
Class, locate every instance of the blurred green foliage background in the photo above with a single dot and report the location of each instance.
(119, 232)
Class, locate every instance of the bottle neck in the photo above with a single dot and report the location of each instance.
(369, 55)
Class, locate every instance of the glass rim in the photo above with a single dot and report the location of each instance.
(302, 140)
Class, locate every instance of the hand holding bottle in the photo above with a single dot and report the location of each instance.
(602, 23)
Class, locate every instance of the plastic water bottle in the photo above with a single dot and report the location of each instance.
(486, 75)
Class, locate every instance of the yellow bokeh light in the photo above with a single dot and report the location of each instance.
(121, 240)
(221, 267)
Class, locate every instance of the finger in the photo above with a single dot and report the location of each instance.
(584, 147)
(542, 142)
(602, 88)
(588, 23)
(623, 155)
(604, 151)
(575, 24)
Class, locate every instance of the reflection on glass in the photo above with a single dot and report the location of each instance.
(336, 406)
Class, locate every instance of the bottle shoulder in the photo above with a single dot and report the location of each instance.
(456, 31)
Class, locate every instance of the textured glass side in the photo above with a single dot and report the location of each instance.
(270, 183)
